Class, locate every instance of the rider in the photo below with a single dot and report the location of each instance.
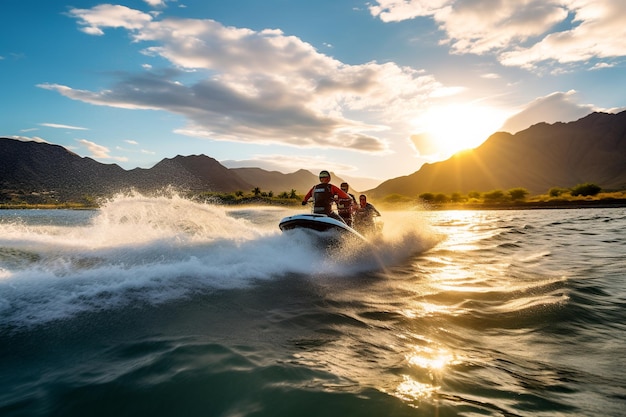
(347, 206)
(364, 218)
(324, 195)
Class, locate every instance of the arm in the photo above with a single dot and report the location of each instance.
(307, 196)
(338, 191)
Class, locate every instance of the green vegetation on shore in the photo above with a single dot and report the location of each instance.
(48, 201)
(256, 196)
(582, 195)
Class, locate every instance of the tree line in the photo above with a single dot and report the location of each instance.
(517, 194)
(254, 195)
(257, 195)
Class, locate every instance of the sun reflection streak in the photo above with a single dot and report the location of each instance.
(411, 390)
(431, 359)
(434, 360)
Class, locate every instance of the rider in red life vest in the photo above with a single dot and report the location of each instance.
(324, 196)
(346, 207)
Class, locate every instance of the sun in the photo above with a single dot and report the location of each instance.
(446, 130)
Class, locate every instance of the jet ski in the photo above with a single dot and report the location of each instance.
(322, 225)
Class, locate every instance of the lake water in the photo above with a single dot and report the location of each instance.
(166, 307)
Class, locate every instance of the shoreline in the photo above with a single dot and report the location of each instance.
(519, 205)
(534, 205)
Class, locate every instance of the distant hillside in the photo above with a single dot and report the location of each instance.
(34, 167)
(277, 182)
(591, 149)
(39, 167)
(301, 180)
(195, 173)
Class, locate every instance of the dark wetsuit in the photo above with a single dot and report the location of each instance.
(364, 218)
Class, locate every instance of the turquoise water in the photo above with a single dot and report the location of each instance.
(166, 307)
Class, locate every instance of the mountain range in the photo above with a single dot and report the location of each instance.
(39, 168)
(591, 149)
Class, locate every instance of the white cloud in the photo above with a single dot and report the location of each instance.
(602, 65)
(555, 107)
(156, 3)
(60, 126)
(598, 32)
(522, 33)
(99, 151)
(260, 86)
(398, 10)
(109, 15)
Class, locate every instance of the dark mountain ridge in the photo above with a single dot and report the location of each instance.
(39, 167)
(34, 167)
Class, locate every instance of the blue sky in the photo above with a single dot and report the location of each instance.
(365, 89)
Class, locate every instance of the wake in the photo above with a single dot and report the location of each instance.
(138, 249)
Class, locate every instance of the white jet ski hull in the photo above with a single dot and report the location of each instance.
(318, 223)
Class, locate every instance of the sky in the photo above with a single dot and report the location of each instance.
(370, 90)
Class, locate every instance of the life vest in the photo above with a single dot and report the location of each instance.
(322, 199)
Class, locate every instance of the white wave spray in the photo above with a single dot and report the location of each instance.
(138, 249)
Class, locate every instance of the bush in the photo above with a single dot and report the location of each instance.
(456, 197)
(518, 193)
(397, 198)
(557, 191)
(495, 195)
(428, 197)
(441, 198)
(586, 189)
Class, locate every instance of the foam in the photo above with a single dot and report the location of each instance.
(157, 249)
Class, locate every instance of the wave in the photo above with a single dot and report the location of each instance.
(139, 249)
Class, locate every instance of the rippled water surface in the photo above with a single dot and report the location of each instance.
(163, 307)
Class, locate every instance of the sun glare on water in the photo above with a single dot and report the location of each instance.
(446, 130)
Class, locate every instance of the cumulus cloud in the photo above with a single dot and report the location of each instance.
(258, 86)
(109, 16)
(99, 151)
(522, 33)
(555, 107)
